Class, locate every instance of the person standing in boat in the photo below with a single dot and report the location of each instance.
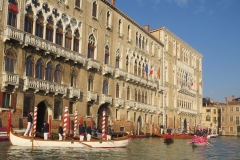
(45, 130)
(89, 131)
(81, 132)
(60, 132)
(29, 125)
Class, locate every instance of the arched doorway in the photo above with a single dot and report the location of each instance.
(100, 116)
(139, 126)
(41, 116)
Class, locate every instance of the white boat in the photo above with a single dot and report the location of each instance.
(212, 136)
(19, 140)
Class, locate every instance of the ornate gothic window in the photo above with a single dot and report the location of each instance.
(12, 13)
(39, 69)
(10, 61)
(58, 74)
(39, 25)
(76, 41)
(29, 66)
(68, 38)
(73, 78)
(106, 58)
(49, 30)
(28, 24)
(49, 72)
(59, 34)
(91, 46)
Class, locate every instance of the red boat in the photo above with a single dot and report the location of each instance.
(175, 136)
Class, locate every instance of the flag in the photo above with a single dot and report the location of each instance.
(186, 77)
(146, 68)
(151, 71)
(158, 73)
(191, 83)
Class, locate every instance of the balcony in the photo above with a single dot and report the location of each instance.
(119, 73)
(93, 64)
(74, 92)
(185, 111)
(13, 33)
(91, 96)
(10, 79)
(130, 77)
(107, 69)
(119, 103)
(131, 104)
(160, 111)
(186, 90)
(152, 84)
(47, 86)
(56, 49)
(106, 99)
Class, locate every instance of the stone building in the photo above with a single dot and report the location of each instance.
(90, 56)
(230, 115)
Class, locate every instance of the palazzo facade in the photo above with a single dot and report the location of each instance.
(90, 56)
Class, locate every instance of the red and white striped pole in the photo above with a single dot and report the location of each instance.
(75, 122)
(65, 120)
(35, 120)
(188, 128)
(103, 122)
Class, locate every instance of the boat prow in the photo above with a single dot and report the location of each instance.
(19, 140)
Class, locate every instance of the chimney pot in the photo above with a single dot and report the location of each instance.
(113, 2)
(147, 28)
(232, 97)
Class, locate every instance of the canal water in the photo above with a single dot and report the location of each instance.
(222, 148)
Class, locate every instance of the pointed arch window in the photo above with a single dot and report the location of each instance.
(77, 3)
(135, 67)
(39, 25)
(142, 97)
(58, 74)
(139, 69)
(90, 83)
(73, 78)
(59, 37)
(94, 9)
(117, 61)
(39, 69)
(76, 41)
(108, 20)
(105, 87)
(145, 98)
(137, 39)
(49, 72)
(106, 58)
(68, 38)
(49, 30)
(117, 91)
(29, 66)
(128, 93)
(129, 33)
(12, 13)
(91, 46)
(10, 61)
(127, 64)
(28, 24)
(139, 96)
(136, 95)
(143, 70)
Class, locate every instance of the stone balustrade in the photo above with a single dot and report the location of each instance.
(74, 92)
(107, 69)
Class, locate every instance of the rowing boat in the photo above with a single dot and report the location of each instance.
(19, 140)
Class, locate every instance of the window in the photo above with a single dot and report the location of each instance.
(139, 96)
(49, 33)
(94, 9)
(117, 91)
(73, 78)
(6, 100)
(139, 69)
(231, 129)
(58, 74)
(39, 26)
(146, 118)
(89, 113)
(117, 61)
(105, 87)
(68, 39)
(117, 114)
(127, 115)
(142, 97)
(134, 118)
(106, 59)
(12, 13)
(39, 69)
(208, 110)
(135, 67)
(57, 108)
(70, 108)
(90, 83)
(91, 46)
(77, 3)
(231, 118)
(231, 109)
(49, 72)
(223, 119)
(76, 42)
(120, 28)
(214, 111)
(127, 63)
(128, 93)
(145, 98)
(129, 33)
(151, 120)
(59, 36)
(108, 20)
(135, 95)
(29, 66)
(9, 61)
(28, 24)
(237, 120)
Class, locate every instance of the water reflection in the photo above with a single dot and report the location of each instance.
(139, 149)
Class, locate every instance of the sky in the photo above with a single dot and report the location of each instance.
(212, 27)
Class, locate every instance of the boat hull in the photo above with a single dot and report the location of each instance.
(200, 144)
(19, 140)
(175, 136)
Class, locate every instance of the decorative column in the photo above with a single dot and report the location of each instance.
(75, 123)
(35, 120)
(65, 120)
(103, 121)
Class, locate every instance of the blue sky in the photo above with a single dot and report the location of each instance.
(212, 27)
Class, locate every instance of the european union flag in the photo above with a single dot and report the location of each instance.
(146, 68)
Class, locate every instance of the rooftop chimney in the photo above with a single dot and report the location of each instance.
(147, 28)
(113, 2)
(232, 97)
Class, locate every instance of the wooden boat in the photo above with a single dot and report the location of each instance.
(175, 136)
(19, 140)
(168, 140)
